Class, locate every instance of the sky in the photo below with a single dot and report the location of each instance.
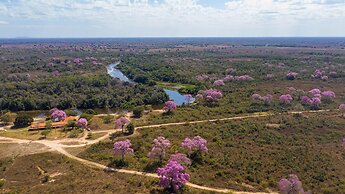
(171, 18)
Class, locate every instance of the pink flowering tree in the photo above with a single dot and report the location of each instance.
(257, 98)
(188, 98)
(210, 96)
(291, 185)
(82, 122)
(180, 158)
(285, 99)
(342, 107)
(318, 73)
(315, 92)
(160, 145)
(243, 78)
(169, 106)
(121, 122)
(314, 102)
(219, 82)
(195, 146)
(328, 95)
(172, 176)
(57, 115)
(122, 148)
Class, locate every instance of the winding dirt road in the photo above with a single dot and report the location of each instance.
(59, 145)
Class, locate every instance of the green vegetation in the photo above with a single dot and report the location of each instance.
(23, 121)
(252, 152)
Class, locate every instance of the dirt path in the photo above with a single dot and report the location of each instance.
(254, 115)
(58, 145)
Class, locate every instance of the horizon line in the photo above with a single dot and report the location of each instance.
(143, 37)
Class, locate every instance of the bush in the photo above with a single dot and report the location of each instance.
(71, 112)
(138, 111)
(48, 124)
(130, 128)
(90, 112)
(2, 182)
(86, 116)
(45, 133)
(71, 124)
(74, 133)
(23, 121)
(45, 179)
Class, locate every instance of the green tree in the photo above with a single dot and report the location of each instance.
(23, 121)
(138, 111)
(130, 128)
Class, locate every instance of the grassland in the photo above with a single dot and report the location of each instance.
(252, 151)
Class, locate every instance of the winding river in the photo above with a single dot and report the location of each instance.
(174, 95)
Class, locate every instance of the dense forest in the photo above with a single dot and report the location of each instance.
(77, 91)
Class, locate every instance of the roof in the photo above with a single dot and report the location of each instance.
(42, 125)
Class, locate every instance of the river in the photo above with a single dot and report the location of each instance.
(174, 95)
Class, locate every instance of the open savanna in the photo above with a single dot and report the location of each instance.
(256, 151)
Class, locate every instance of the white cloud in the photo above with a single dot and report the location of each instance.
(3, 22)
(174, 17)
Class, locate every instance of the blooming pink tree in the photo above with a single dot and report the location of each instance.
(318, 73)
(160, 145)
(291, 185)
(203, 77)
(314, 101)
(172, 176)
(180, 158)
(257, 98)
(57, 115)
(285, 99)
(122, 148)
(315, 92)
(329, 95)
(228, 78)
(342, 107)
(169, 106)
(188, 98)
(121, 122)
(82, 122)
(244, 78)
(198, 144)
(219, 82)
(211, 95)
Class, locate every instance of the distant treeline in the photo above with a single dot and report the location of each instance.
(81, 92)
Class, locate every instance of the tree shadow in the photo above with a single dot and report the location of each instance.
(117, 163)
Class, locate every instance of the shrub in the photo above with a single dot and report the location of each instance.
(23, 121)
(2, 182)
(86, 116)
(74, 133)
(45, 133)
(107, 119)
(138, 111)
(71, 112)
(90, 112)
(130, 129)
